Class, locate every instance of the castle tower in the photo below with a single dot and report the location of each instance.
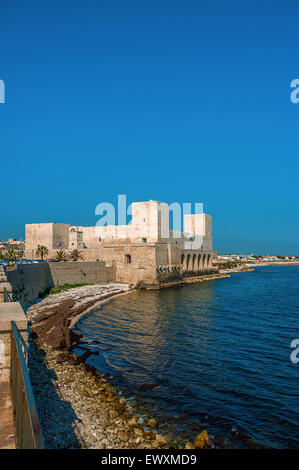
(198, 229)
(150, 221)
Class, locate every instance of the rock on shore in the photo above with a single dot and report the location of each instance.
(81, 409)
(83, 297)
(52, 319)
(77, 406)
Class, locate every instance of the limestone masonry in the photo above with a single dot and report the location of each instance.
(144, 252)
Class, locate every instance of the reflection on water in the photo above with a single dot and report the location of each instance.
(218, 352)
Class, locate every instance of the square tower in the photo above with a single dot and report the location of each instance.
(46, 234)
(198, 231)
(150, 221)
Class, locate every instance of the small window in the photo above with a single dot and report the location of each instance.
(100, 239)
(144, 240)
(128, 259)
(144, 220)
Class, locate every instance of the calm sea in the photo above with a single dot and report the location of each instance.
(219, 352)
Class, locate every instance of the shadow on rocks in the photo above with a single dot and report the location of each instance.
(58, 419)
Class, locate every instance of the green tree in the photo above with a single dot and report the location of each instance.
(11, 254)
(75, 255)
(42, 251)
(61, 255)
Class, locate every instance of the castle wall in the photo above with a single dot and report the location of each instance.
(200, 226)
(60, 236)
(133, 262)
(38, 234)
(90, 237)
(174, 254)
(150, 223)
(139, 252)
(29, 281)
(162, 257)
(48, 234)
(73, 272)
(207, 240)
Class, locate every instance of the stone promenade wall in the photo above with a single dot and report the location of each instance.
(29, 281)
(78, 273)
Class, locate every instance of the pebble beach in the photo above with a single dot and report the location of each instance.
(78, 407)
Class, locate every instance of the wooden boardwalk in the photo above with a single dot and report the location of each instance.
(9, 312)
(7, 434)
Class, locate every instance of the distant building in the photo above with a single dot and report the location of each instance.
(12, 243)
(144, 251)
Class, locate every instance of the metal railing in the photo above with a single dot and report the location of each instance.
(27, 427)
(7, 296)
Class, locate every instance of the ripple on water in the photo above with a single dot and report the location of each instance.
(220, 352)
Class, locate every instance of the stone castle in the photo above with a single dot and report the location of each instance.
(144, 252)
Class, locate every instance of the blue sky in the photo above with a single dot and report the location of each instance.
(182, 101)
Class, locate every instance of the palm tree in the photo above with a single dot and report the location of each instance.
(42, 251)
(61, 255)
(75, 254)
(11, 254)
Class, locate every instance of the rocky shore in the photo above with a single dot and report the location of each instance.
(81, 409)
(275, 263)
(239, 269)
(249, 267)
(77, 406)
(191, 280)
